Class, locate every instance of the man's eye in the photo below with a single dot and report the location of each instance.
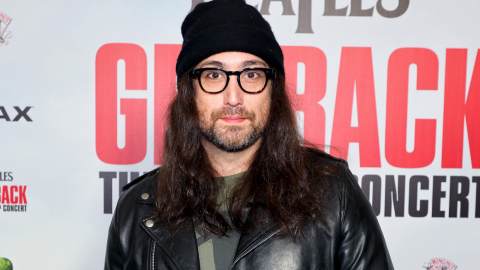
(214, 75)
(252, 75)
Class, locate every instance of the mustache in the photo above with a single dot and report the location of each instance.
(232, 111)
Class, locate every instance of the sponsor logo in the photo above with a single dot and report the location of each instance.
(20, 113)
(440, 264)
(13, 198)
(5, 21)
(5, 264)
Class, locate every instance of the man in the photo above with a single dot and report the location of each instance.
(237, 190)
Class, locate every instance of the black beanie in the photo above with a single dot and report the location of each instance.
(227, 25)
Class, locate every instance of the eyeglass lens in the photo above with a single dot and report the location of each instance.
(216, 80)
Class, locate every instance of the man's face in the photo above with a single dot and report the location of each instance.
(232, 120)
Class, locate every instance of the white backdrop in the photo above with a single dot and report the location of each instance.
(52, 168)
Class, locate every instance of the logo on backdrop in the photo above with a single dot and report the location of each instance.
(331, 8)
(15, 114)
(5, 20)
(394, 195)
(440, 264)
(12, 197)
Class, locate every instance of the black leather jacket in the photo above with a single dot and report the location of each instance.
(347, 236)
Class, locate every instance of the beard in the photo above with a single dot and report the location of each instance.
(233, 138)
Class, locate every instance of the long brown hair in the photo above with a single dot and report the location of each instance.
(284, 180)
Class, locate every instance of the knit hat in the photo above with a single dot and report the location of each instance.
(227, 25)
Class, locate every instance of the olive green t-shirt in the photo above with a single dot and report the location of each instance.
(217, 253)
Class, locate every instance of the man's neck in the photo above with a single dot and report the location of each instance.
(229, 163)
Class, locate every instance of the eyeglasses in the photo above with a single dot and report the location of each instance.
(250, 80)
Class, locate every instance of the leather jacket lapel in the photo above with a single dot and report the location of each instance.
(248, 242)
(181, 247)
(258, 235)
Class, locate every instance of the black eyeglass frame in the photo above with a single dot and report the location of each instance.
(269, 73)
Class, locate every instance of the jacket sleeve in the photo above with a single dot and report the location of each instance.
(362, 243)
(113, 255)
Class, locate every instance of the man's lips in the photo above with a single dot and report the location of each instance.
(233, 119)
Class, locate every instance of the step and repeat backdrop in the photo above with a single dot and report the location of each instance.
(392, 86)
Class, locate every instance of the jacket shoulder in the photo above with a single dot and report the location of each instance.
(133, 191)
(326, 164)
(140, 179)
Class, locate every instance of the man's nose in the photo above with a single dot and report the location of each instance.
(233, 94)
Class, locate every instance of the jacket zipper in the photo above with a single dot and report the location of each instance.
(152, 265)
(254, 247)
